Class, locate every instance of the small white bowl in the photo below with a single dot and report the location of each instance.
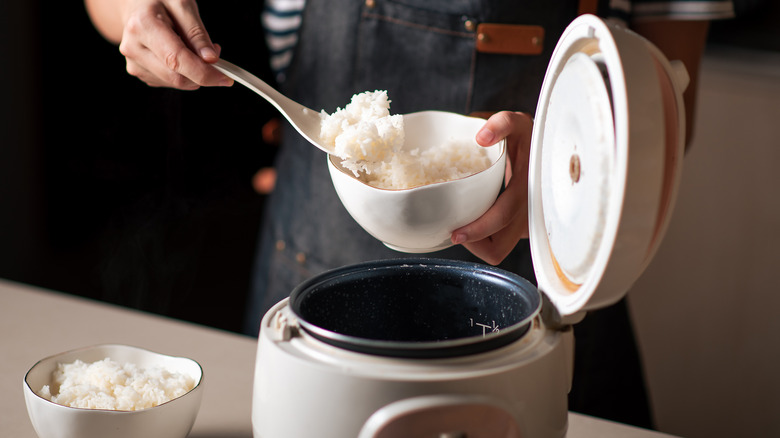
(422, 219)
(173, 419)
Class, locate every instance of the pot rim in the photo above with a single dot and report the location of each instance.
(421, 349)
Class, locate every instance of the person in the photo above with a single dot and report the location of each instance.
(424, 53)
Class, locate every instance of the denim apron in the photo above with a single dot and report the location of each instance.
(423, 52)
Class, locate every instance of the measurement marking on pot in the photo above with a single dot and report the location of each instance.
(485, 327)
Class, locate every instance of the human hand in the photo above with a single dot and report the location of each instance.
(493, 236)
(166, 45)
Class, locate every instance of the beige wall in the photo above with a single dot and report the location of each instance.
(707, 310)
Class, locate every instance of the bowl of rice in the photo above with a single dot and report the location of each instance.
(116, 391)
(410, 180)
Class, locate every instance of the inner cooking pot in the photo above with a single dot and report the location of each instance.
(416, 307)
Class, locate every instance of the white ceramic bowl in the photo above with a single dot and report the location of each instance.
(422, 219)
(173, 419)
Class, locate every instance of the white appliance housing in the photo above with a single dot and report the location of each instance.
(605, 163)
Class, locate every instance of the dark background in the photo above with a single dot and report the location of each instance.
(120, 192)
(756, 27)
(116, 191)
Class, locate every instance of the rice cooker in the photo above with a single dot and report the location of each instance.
(418, 347)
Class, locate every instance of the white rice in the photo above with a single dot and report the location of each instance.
(364, 129)
(107, 384)
(370, 143)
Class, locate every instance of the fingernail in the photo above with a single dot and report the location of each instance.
(458, 238)
(486, 137)
(207, 53)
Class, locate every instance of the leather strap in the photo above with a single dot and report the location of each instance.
(510, 39)
(588, 7)
(519, 39)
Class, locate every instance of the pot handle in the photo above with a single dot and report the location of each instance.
(444, 416)
(283, 325)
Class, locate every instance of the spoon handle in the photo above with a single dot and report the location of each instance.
(306, 121)
(269, 93)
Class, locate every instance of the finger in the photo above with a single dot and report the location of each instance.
(513, 201)
(150, 41)
(494, 234)
(505, 124)
(145, 30)
(494, 249)
(171, 80)
(173, 54)
(190, 26)
(499, 125)
(510, 207)
(164, 76)
(143, 64)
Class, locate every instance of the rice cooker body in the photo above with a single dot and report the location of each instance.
(303, 384)
(584, 258)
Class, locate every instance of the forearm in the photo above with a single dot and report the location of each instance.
(106, 16)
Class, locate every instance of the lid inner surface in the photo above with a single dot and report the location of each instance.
(578, 157)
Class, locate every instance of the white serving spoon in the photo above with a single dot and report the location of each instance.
(305, 120)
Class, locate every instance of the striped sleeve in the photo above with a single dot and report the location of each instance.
(281, 20)
(679, 9)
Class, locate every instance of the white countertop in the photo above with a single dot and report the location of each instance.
(36, 323)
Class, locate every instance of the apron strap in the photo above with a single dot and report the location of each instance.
(519, 39)
(510, 39)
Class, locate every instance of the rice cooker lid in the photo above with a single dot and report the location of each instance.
(605, 163)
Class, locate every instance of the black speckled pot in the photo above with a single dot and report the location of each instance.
(416, 307)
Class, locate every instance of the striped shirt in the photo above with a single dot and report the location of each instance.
(281, 20)
(680, 9)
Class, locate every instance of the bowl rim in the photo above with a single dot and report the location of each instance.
(29, 388)
(332, 161)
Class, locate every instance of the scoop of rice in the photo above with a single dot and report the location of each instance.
(364, 129)
(370, 143)
(107, 384)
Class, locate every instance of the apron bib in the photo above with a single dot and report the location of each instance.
(424, 53)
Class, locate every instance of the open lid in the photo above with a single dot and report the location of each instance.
(605, 163)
